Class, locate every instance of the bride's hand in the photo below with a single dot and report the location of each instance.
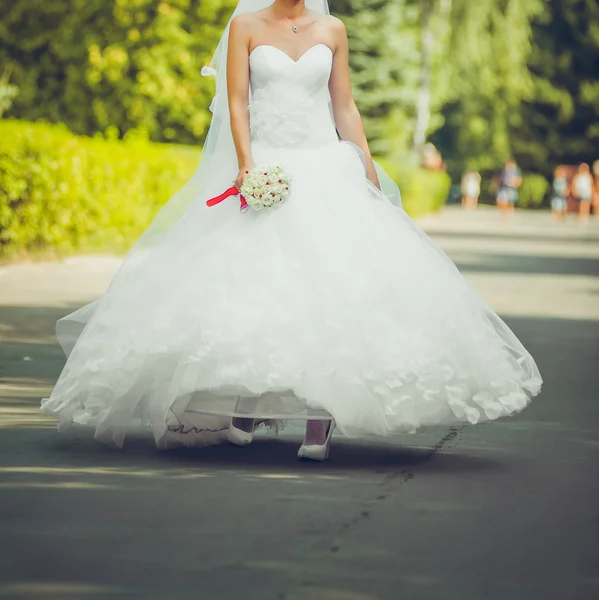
(243, 171)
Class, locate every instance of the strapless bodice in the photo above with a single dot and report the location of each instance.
(290, 99)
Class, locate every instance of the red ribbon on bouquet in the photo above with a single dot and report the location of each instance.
(232, 191)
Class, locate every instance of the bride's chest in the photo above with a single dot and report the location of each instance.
(270, 65)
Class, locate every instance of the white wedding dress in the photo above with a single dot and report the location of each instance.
(334, 304)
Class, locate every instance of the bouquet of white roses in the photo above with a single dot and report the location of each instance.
(265, 187)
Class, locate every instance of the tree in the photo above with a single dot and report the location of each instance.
(384, 60)
(481, 78)
(488, 57)
(8, 92)
(120, 64)
(560, 122)
(123, 65)
(434, 30)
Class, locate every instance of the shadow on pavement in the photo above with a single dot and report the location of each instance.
(527, 264)
(585, 237)
(361, 455)
(28, 347)
(79, 520)
(39, 319)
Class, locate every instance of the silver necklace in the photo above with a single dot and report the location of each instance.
(294, 27)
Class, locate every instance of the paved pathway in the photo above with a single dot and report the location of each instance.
(502, 511)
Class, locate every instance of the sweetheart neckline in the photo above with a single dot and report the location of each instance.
(287, 55)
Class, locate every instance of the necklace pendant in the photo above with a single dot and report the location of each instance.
(295, 29)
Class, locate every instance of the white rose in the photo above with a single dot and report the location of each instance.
(265, 187)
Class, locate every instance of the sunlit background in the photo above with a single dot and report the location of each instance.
(104, 110)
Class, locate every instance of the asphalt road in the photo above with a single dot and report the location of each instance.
(508, 510)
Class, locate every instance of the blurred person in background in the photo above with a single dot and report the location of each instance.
(432, 159)
(509, 182)
(583, 188)
(470, 189)
(561, 189)
(596, 181)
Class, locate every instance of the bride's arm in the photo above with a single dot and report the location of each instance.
(347, 117)
(238, 83)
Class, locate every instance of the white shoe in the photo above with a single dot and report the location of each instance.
(317, 451)
(239, 437)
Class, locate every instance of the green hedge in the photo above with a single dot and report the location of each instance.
(533, 190)
(422, 191)
(61, 192)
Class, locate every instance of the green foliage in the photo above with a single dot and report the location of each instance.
(384, 57)
(8, 93)
(135, 64)
(488, 78)
(560, 123)
(59, 191)
(422, 191)
(533, 190)
(489, 49)
(129, 64)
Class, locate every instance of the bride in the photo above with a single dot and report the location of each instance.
(333, 307)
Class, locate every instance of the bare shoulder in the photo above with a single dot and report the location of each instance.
(335, 24)
(247, 24)
(243, 21)
(333, 28)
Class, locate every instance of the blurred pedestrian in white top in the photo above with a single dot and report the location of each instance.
(583, 188)
(470, 189)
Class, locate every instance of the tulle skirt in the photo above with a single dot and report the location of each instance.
(334, 304)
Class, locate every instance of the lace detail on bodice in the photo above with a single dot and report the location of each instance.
(290, 99)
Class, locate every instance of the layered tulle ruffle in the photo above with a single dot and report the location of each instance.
(333, 304)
